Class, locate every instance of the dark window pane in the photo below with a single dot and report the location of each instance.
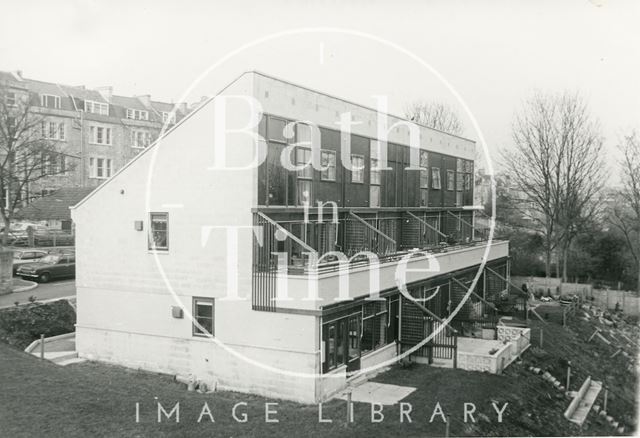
(275, 129)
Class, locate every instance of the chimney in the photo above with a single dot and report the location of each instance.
(106, 92)
(145, 99)
(17, 74)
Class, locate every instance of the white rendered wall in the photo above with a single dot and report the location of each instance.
(297, 103)
(124, 305)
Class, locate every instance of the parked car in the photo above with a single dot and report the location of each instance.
(545, 299)
(21, 257)
(49, 267)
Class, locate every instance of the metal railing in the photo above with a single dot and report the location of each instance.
(313, 246)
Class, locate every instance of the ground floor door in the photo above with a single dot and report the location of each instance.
(354, 330)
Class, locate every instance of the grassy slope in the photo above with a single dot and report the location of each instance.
(42, 399)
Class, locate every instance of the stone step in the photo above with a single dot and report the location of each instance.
(57, 356)
(71, 360)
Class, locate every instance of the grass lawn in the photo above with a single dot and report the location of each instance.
(90, 399)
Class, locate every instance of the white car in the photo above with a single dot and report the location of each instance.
(545, 299)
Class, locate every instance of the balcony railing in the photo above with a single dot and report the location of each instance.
(354, 238)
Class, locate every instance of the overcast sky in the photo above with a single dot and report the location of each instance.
(493, 53)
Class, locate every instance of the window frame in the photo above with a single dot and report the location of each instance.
(136, 114)
(11, 99)
(451, 178)
(301, 174)
(195, 301)
(96, 107)
(323, 173)
(358, 171)
(374, 170)
(282, 140)
(107, 164)
(44, 100)
(151, 242)
(93, 134)
(375, 188)
(146, 141)
(169, 117)
(435, 171)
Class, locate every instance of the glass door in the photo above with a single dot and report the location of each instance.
(353, 342)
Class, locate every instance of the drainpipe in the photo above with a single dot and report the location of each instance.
(82, 157)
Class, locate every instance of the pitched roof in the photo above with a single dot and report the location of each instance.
(55, 206)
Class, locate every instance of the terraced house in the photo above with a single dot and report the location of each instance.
(275, 242)
(95, 131)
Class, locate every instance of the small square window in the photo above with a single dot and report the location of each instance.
(159, 231)
(203, 316)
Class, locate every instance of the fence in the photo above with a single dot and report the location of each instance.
(626, 301)
(42, 239)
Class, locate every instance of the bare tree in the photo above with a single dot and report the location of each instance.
(435, 115)
(626, 214)
(556, 163)
(27, 154)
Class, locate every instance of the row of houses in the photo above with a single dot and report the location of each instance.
(95, 131)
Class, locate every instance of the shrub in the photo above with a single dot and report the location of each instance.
(19, 326)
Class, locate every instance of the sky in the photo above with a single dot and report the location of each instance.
(483, 58)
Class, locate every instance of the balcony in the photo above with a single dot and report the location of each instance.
(314, 261)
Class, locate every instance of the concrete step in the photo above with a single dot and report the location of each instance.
(72, 360)
(584, 399)
(57, 356)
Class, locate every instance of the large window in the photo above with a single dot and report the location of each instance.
(168, 117)
(357, 168)
(91, 106)
(203, 312)
(375, 176)
(100, 135)
(10, 98)
(159, 231)
(424, 178)
(424, 171)
(53, 130)
(368, 326)
(374, 183)
(305, 175)
(135, 114)
(328, 159)
(435, 178)
(451, 180)
(303, 158)
(275, 129)
(140, 139)
(336, 341)
(374, 325)
(100, 168)
(50, 101)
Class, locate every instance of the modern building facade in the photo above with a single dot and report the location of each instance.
(232, 273)
(95, 131)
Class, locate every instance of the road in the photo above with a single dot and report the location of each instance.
(44, 291)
